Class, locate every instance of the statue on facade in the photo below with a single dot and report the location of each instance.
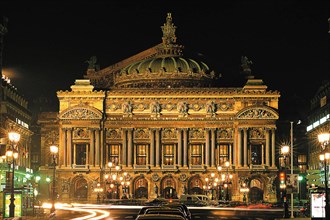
(156, 190)
(127, 108)
(246, 65)
(92, 62)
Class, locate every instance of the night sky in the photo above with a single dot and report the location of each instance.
(288, 42)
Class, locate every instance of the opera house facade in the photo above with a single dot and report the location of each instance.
(156, 125)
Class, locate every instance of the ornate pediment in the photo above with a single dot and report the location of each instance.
(257, 112)
(81, 113)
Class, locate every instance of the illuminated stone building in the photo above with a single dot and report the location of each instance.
(14, 117)
(160, 118)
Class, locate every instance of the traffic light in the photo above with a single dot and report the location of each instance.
(282, 180)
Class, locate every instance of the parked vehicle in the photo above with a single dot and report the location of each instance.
(160, 210)
(182, 207)
(161, 216)
(156, 202)
(195, 200)
(165, 210)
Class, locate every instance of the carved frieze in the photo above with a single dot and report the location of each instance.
(113, 133)
(142, 133)
(196, 133)
(256, 133)
(258, 113)
(225, 133)
(169, 133)
(80, 113)
(80, 133)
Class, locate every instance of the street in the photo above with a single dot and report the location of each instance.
(109, 212)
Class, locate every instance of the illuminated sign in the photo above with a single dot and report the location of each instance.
(17, 202)
(317, 205)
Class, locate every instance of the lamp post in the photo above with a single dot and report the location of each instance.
(284, 151)
(53, 151)
(99, 190)
(227, 179)
(210, 184)
(219, 168)
(12, 155)
(324, 141)
(244, 189)
(116, 182)
(124, 181)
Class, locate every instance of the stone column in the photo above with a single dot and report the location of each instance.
(245, 147)
(213, 133)
(65, 147)
(69, 146)
(157, 147)
(180, 147)
(92, 147)
(152, 147)
(98, 160)
(273, 147)
(239, 147)
(207, 147)
(235, 148)
(130, 147)
(267, 147)
(124, 148)
(101, 148)
(185, 147)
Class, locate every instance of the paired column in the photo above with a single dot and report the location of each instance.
(185, 147)
(239, 147)
(130, 147)
(273, 147)
(92, 147)
(207, 147)
(124, 150)
(267, 147)
(152, 147)
(157, 147)
(245, 147)
(213, 145)
(180, 147)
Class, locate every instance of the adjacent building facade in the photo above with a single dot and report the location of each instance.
(14, 117)
(156, 125)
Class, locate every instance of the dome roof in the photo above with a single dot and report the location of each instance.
(167, 69)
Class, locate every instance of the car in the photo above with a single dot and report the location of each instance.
(183, 207)
(143, 209)
(193, 200)
(156, 202)
(165, 210)
(223, 203)
(160, 216)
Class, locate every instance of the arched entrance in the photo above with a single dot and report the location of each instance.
(168, 189)
(256, 193)
(81, 189)
(195, 186)
(141, 188)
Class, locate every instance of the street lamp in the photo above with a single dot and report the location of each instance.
(12, 155)
(219, 168)
(99, 190)
(285, 152)
(124, 180)
(210, 184)
(53, 151)
(244, 189)
(227, 178)
(324, 141)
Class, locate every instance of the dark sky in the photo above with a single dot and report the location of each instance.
(288, 42)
